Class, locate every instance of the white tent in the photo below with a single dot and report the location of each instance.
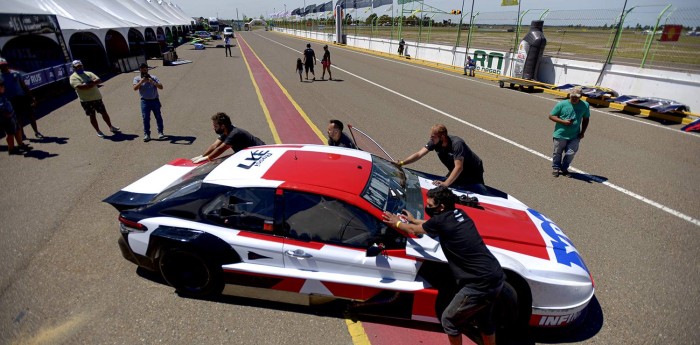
(99, 16)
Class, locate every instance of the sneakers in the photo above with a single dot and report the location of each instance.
(146, 138)
(555, 172)
(100, 134)
(24, 147)
(161, 136)
(114, 129)
(565, 172)
(39, 135)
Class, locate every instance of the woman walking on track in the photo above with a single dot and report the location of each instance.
(326, 63)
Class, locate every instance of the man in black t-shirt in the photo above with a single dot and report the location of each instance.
(230, 136)
(309, 61)
(336, 137)
(478, 274)
(463, 165)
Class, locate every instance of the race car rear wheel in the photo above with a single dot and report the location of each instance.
(191, 274)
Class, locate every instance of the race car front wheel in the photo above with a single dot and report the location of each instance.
(191, 274)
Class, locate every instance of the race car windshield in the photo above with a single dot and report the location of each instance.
(188, 183)
(393, 189)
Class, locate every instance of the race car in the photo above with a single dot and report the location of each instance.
(307, 219)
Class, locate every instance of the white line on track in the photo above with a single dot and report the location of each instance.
(520, 146)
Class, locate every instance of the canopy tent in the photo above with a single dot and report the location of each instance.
(102, 30)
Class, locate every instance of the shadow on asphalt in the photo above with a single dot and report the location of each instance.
(588, 178)
(119, 137)
(385, 314)
(50, 140)
(39, 154)
(179, 139)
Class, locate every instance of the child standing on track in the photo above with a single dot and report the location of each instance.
(300, 68)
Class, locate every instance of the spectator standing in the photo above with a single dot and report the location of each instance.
(227, 44)
(478, 274)
(336, 137)
(470, 66)
(326, 63)
(300, 68)
(309, 61)
(147, 85)
(85, 84)
(571, 119)
(19, 94)
(8, 123)
(464, 166)
(230, 137)
(402, 44)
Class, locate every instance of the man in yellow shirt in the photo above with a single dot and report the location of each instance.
(85, 84)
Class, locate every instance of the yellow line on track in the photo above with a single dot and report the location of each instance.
(273, 129)
(357, 332)
(289, 97)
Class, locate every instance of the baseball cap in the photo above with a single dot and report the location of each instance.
(77, 63)
(3, 61)
(576, 92)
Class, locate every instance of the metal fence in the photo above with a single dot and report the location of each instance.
(585, 34)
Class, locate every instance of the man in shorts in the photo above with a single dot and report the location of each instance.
(230, 137)
(478, 275)
(309, 61)
(85, 84)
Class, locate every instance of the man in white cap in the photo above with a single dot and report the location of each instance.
(20, 96)
(85, 84)
(571, 121)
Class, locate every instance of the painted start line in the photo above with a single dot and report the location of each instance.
(290, 125)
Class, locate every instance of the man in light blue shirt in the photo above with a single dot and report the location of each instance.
(571, 121)
(147, 85)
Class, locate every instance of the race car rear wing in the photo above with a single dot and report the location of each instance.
(145, 189)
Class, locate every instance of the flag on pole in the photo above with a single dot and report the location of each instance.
(507, 2)
(378, 3)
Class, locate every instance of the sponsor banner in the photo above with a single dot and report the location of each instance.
(47, 75)
(489, 61)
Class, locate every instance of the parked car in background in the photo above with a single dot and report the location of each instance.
(228, 31)
(202, 34)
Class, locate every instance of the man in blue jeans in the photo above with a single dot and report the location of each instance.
(147, 86)
(571, 121)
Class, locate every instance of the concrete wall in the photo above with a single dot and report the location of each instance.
(626, 80)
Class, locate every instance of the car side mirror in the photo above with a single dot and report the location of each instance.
(374, 250)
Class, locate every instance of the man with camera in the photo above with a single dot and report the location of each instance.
(147, 85)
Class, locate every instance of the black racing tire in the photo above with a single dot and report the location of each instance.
(190, 273)
(501, 84)
(513, 309)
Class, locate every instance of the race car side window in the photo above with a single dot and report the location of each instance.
(243, 209)
(310, 217)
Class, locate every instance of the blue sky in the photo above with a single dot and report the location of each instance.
(647, 10)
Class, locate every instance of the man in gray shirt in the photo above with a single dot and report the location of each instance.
(147, 85)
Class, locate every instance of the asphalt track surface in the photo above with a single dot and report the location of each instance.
(64, 280)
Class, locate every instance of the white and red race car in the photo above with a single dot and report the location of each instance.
(307, 219)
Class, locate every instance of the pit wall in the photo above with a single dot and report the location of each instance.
(626, 80)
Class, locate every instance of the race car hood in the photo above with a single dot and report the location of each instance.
(521, 236)
(146, 188)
